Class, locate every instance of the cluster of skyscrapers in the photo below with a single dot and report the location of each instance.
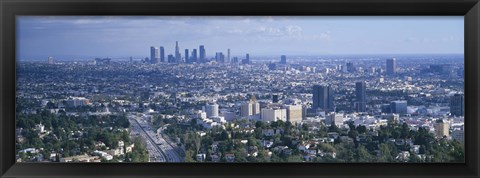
(323, 97)
(157, 55)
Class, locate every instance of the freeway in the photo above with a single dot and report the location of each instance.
(166, 149)
(154, 152)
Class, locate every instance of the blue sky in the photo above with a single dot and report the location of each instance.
(117, 36)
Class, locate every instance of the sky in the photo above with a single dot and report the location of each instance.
(119, 36)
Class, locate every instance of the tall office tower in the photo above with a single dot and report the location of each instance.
(457, 105)
(294, 113)
(202, 54)
(219, 57)
(398, 107)
(441, 128)
(350, 67)
(194, 56)
(211, 110)
(228, 56)
(50, 60)
(323, 97)
(247, 59)
(178, 56)
(361, 98)
(154, 55)
(235, 60)
(187, 59)
(391, 66)
(283, 59)
(131, 59)
(162, 54)
(171, 59)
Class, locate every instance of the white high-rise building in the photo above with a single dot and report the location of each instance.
(334, 118)
(274, 114)
(211, 110)
(251, 108)
(50, 60)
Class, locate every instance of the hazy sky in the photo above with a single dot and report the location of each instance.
(114, 36)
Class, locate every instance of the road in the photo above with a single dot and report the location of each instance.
(169, 153)
(154, 152)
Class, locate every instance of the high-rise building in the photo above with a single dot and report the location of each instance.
(350, 67)
(50, 60)
(294, 113)
(228, 56)
(171, 58)
(391, 66)
(246, 110)
(361, 96)
(162, 54)
(274, 114)
(187, 59)
(457, 105)
(131, 59)
(178, 56)
(334, 119)
(219, 57)
(247, 59)
(323, 98)
(154, 55)
(398, 107)
(441, 128)
(235, 60)
(203, 57)
(250, 108)
(211, 110)
(194, 56)
(283, 59)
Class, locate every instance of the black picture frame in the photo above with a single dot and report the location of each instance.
(9, 9)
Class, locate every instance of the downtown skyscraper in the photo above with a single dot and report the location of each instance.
(360, 96)
(154, 55)
(194, 57)
(283, 59)
(228, 56)
(323, 97)
(457, 105)
(162, 54)
(178, 56)
(391, 66)
(187, 59)
(202, 54)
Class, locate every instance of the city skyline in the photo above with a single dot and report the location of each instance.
(40, 37)
(202, 89)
